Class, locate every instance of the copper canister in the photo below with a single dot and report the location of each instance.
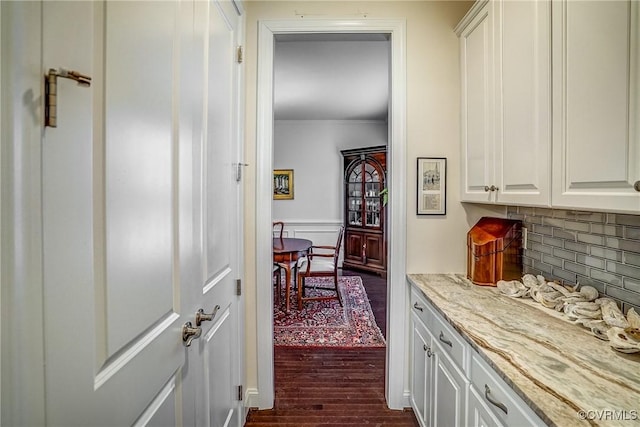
(494, 251)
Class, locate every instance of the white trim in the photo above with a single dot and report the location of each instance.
(292, 223)
(23, 379)
(396, 304)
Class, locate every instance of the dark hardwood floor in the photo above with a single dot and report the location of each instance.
(334, 387)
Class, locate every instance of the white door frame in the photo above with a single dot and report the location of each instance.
(396, 372)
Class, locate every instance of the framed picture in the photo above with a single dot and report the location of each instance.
(283, 184)
(432, 186)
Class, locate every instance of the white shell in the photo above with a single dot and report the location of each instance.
(529, 280)
(598, 328)
(633, 318)
(622, 342)
(589, 292)
(512, 288)
(613, 316)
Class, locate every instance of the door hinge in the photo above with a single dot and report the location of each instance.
(238, 287)
(239, 170)
(51, 92)
(239, 55)
(240, 393)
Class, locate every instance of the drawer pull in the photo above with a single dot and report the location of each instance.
(487, 395)
(444, 340)
(417, 307)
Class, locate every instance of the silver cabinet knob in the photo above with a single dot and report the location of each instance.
(637, 185)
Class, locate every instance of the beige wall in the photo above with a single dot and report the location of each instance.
(434, 244)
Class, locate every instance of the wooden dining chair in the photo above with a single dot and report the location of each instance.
(278, 228)
(322, 261)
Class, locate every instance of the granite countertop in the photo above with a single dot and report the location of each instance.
(557, 367)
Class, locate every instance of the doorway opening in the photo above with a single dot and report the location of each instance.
(331, 96)
(394, 32)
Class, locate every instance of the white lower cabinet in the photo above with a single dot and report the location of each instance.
(438, 389)
(421, 368)
(449, 390)
(451, 385)
(499, 399)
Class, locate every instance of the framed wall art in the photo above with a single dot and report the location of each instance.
(283, 184)
(432, 186)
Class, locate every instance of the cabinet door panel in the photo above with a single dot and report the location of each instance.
(374, 249)
(420, 373)
(353, 247)
(449, 392)
(523, 101)
(596, 139)
(477, 144)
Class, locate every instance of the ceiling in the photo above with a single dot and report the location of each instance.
(331, 77)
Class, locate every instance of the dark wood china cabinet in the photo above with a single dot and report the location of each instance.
(365, 239)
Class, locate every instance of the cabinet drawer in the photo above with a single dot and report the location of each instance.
(421, 308)
(503, 402)
(451, 342)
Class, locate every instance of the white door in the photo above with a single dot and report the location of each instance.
(135, 214)
(218, 356)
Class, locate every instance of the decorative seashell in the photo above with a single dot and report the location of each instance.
(583, 310)
(541, 280)
(574, 297)
(633, 333)
(613, 316)
(589, 292)
(529, 280)
(605, 300)
(587, 314)
(598, 328)
(633, 318)
(622, 342)
(549, 299)
(591, 306)
(564, 291)
(512, 288)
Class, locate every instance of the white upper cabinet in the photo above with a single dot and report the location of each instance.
(476, 57)
(596, 136)
(506, 98)
(522, 102)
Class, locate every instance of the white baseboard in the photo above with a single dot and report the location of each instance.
(251, 399)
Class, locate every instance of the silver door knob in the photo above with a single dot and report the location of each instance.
(201, 316)
(189, 333)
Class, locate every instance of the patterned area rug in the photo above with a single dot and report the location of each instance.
(325, 323)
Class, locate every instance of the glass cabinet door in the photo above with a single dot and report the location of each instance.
(354, 196)
(363, 195)
(372, 195)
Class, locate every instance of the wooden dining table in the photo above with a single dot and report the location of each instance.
(286, 250)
